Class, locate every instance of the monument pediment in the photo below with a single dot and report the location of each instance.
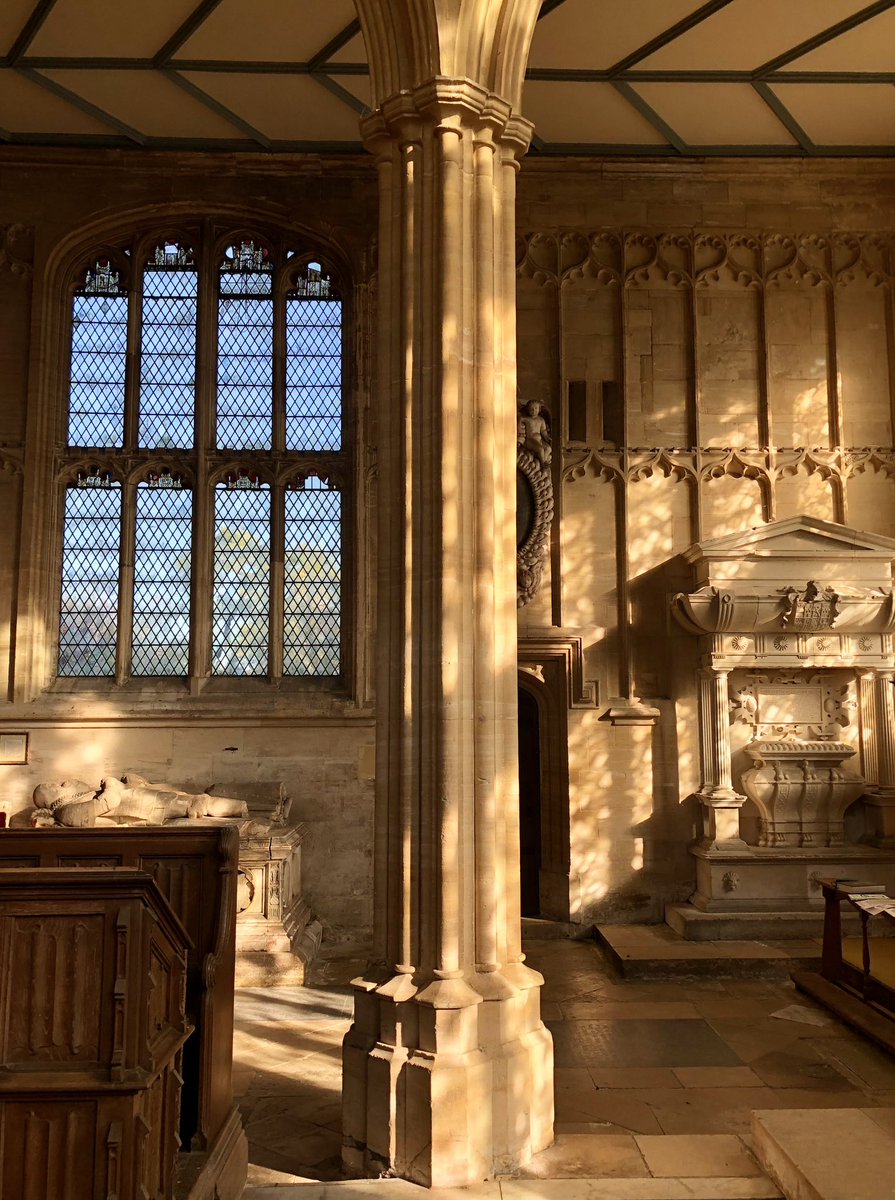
(795, 537)
(794, 578)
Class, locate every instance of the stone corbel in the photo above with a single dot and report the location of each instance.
(630, 710)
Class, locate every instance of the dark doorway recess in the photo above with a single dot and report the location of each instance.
(530, 803)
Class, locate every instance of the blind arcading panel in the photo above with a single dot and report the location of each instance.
(161, 634)
(90, 558)
(313, 373)
(98, 362)
(168, 351)
(313, 562)
(245, 351)
(240, 624)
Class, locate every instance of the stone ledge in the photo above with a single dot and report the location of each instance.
(825, 1154)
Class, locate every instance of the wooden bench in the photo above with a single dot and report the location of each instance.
(92, 1027)
(195, 869)
(857, 975)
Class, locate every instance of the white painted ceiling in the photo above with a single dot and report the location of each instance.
(628, 77)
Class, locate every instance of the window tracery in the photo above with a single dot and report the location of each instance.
(183, 560)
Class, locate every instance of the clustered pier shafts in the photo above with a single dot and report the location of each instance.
(447, 1067)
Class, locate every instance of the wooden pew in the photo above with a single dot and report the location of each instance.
(195, 868)
(857, 975)
(93, 967)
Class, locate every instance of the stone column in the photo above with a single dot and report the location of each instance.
(448, 1072)
(880, 799)
(720, 803)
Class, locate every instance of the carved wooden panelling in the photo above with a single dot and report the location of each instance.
(57, 1151)
(180, 882)
(57, 1018)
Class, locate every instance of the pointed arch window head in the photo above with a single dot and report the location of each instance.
(189, 358)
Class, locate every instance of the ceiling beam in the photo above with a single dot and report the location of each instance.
(672, 32)
(784, 116)
(215, 106)
(29, 31)
(354, 103)
(185, 32)
(93, 110)
(334, 44)
(548, 7)
(647, 111)
(826, 35)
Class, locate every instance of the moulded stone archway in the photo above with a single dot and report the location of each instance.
(447, 1066)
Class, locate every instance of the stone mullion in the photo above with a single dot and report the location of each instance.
(276, 602)
(203, 495)
(134, 363)
(124, 641)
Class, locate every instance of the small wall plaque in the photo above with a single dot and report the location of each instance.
(13, 748)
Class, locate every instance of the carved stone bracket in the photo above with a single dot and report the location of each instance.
(17, 250)
(534, 500)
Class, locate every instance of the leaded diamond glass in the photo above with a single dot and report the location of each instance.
(312, 576)
(241, 601)
(161, 630)
(98, 367)
(245, 371)
(313, 373)
(88, 622)
(168, 350)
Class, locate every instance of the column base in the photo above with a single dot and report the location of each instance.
(450, 1085)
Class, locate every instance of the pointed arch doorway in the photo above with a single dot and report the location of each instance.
(544, 826)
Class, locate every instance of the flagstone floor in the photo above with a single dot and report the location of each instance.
(655, 1081)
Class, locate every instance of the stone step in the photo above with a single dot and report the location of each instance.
(682, 1188)
(657, 951)
(697, 926)
(827, 1154)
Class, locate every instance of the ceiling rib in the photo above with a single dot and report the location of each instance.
(334, 45)
(784, 116)
(29, 31)
(826, 35)
(185, 32)
(326, 81)
(548, 7)
(647, 111)
(85, 106)
(668, 35)
(215, 106)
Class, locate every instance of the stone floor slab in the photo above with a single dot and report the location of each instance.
(697, 1155)
(641, 1043)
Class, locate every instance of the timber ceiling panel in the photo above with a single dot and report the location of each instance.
(672, 77)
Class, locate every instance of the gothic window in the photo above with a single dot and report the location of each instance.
(204, 505)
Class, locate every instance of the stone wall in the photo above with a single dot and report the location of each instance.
(729, 327)
(319, 744)
(728, 331)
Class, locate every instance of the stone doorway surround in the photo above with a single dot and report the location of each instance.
(794, 623)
